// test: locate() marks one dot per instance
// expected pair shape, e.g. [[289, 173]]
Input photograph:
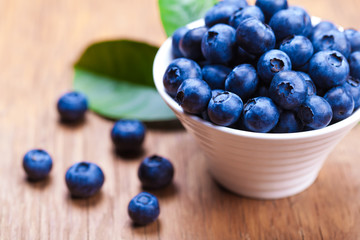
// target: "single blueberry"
[[315, 112], [176, 37], [225, 108], [341, 102], [220, 13], [144, 208], [84, 179], [193, 95], [321, 27], [190, 43], [332, 40], [254, 36], [298, 48], [260, 114], [244, 13], [72, 106], [311, 88], [288, 123], [288, 89], [37, 164], [242, 81], [271, 63], [155, 172], [328, 69], [354, 62], [128, 135], [215, 75], [179, 70], [353, 37], [270, 7], [352, 86], [218, 44]]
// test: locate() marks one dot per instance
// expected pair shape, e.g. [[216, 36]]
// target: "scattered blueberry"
[[215, 75], [315, 112], [354, 62], [190, 43], [311, 88], [331, 40], [220, 13], [72, 106], [37, 164], [270, 7], [298, 48], [244, 13], [352, 86], [128, 135], [176, 37], [353, 37], [341, 102], [288, 123], [144, 208]]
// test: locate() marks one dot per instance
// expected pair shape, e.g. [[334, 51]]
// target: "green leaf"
[[178, 13], [117, 78]]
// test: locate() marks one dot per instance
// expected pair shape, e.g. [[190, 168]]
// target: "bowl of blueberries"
[[266, 90]]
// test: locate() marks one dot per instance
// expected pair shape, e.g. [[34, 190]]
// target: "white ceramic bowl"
[[258, 165]]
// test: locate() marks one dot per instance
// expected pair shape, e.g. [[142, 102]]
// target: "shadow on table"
[[39, 184], [151, 229], [168, 192], [86, 202]]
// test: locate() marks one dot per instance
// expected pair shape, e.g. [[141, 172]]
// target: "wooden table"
[[39, 41]]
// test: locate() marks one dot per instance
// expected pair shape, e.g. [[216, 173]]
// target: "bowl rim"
[[164, 53]]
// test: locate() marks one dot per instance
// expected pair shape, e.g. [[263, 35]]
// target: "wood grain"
[[39, 41]]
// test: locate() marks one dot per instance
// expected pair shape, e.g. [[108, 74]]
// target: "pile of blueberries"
[[85, 179], [265, 68]]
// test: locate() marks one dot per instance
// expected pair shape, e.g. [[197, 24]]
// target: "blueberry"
[[288, 89], [155, 172], [144, 208], [254, 36], [225, 108], [241, 56], [354, 62], [311, 88], [341, 102], [220, 13], [291, 21], [37, 164], [72, 106], [353, 37], [271, 63], [179, 70], [270, 7], [193, 95], [128, 135], [176, 37], [315, 112], [352, 86], [215, 75], [298, 48], [218, 44], [237, 3], [261, 91], [242, 81], [260, 114], [244, 13], [331, 40], [322, 27], [288, 123], [84, 179], [190, 43]]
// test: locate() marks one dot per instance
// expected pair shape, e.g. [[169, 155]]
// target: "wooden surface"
[[39, 41]]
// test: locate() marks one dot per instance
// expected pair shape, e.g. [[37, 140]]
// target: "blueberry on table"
[[315, 112], [322, 27], [37, 164], [215, 75], [288, 123], [341, 102], [193, 95], [353, 37], [176, 37], [244, 13], [190, 43], [311, 88], [354, 62], [352, 86], [260, 115], [271, 63], [84, 179], [177, 71], [144, 208], [72, 106], [298, 48], [155, 172], [218, 44], [220, 13], [328, 69], [270, 7], [332, 40], [128, 135]]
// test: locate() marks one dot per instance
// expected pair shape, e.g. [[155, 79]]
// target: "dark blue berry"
[[353, 37], [288, 123], [341, 102], [298, 48], [352, 86], [176, 37], [247, 12], [241, 56], [270, 7], [190, 43], [322, 27], [315, 112], [354, 62], [311, 88], [128, 135], [144, 208], [220, 13], [72, 106], [215, 75], [237, 3], [37, 164]]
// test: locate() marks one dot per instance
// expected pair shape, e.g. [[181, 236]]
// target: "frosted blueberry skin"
[[215, 75], [225, 108], [237, 3], [220, 13], [128, 135], [244, 13], [242, 81], [298, 48], [311, 88], [260, 115], [353, 37], [144, 208], [341, 102], [354, 62], [322, 27], [332, 40], [193, 95], [84, 179], [72, 106], [37, 164], [315, 112], [271, 63], [155, 172], [270, 7], [190, 43], [288, 89], [177, 71], [328, 69], [291, 21], [254, 36], [218, 44], [352, 86], [176, 37], [288, 123]]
